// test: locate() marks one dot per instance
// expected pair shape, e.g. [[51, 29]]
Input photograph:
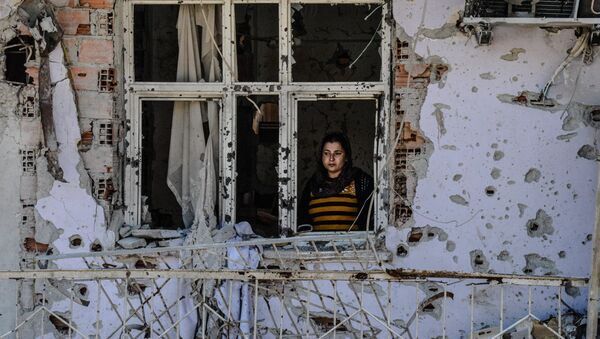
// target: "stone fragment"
[[156, 233], [132, 242], [171, 242], [125, 231]]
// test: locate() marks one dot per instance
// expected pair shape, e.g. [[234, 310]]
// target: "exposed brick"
[[33, 246], [97, 3], [84, 29], [84, 78], [96, 51], [401, 76], [95, 105], [70, 19], [33, 72]]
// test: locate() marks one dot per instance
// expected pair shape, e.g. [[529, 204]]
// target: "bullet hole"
[[595, 115], [425, 233], [587, 152], [534, 226], [504, 255], [532, 175], [428, 308], [402, 250], [135, 288], [536, 264], [141, 264], [80, 291], [562, 254], [414, 237], [457, 177], [490, 191], [498, 155], [96, 246], [479, 262], [540, 226], [75, 241], [495, 174], [588, 237], [60, 322]]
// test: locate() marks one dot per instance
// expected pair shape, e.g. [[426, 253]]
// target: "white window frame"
[[227, 91]]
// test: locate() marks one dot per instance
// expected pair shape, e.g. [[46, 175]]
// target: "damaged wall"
[[501, 184], [484, 179], [62, 112]]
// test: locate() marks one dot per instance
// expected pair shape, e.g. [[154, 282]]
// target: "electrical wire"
[[581, 45]]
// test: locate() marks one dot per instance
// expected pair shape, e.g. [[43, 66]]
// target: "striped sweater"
[[335, 213]]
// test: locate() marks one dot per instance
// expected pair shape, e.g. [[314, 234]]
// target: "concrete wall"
[[484, 181], [501, 186]]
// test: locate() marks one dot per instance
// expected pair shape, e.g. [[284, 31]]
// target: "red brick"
[[96, 51], [70, 19], [84, 78], [402, 78], [34, 73], [97, 3]]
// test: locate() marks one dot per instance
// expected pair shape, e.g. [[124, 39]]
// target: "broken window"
[[257, 145], [168, 35], [336, 42], [175, 138], [257, 43], [269, 66]]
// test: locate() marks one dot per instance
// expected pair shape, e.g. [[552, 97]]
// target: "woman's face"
[[334, 158]]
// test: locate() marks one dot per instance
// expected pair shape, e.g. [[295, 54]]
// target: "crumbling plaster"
[[488, 143], [10, 208]]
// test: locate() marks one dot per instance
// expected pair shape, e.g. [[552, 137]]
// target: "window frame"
[[227, 91]]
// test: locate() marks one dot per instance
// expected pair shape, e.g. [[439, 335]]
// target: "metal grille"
[[312, 286]]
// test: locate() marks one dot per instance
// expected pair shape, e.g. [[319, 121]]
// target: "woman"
[[334, 196]]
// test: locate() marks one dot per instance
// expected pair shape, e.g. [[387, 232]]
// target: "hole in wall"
[[75, 241], [60, 323], [402, 250], [135, 288], [595, 115], [428, 308], [490, 191], [96, 246], [18, 52]]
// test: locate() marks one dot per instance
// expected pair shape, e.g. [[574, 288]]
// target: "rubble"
[[156, 233], [132, 242]]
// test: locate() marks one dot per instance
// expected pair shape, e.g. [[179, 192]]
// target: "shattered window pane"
[[336, 43], [257, 42], [177, 43], [257, 173]]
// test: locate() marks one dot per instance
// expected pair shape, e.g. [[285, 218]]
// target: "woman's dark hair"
[[344, 142]]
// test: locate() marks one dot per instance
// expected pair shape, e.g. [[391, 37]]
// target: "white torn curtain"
[[193, 155]]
